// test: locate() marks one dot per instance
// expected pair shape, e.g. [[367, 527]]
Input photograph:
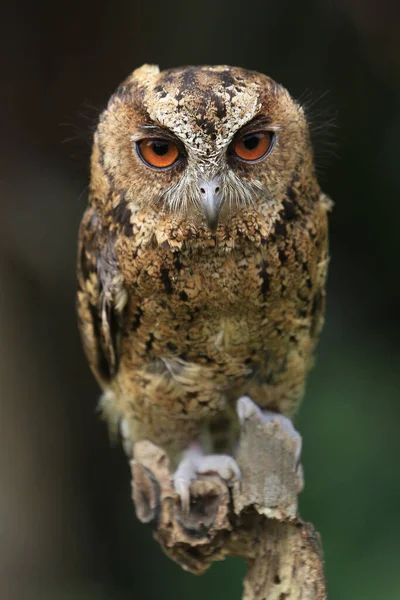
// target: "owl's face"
[[202, 141]]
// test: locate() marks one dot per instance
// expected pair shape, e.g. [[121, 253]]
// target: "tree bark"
[[256, 519]]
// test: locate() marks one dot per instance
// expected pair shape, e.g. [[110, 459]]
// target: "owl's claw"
[[220, 464], [184, 474], [195, 463], [246, 407]]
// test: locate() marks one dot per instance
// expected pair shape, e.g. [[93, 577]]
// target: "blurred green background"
[[67, 525]]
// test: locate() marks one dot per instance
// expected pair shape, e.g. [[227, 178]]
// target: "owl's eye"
[[253, 146], [158, 153]]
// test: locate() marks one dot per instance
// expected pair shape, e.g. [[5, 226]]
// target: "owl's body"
[[180, 317]]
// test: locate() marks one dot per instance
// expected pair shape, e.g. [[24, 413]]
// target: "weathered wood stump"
[[257, 519]]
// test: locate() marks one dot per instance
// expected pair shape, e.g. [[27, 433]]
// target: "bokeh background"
[[67, 525]]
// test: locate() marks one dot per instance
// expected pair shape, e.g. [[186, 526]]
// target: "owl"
[[202, 261]]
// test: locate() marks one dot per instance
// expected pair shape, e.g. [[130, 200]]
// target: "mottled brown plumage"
[[178, 322]]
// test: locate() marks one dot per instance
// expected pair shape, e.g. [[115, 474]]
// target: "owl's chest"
[[213, 281], [197, 312]]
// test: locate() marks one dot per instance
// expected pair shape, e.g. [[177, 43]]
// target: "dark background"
[[67, 525]]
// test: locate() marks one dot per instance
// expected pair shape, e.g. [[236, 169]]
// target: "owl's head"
[[203, 141]]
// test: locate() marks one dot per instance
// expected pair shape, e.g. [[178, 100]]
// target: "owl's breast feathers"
[[175, 318]]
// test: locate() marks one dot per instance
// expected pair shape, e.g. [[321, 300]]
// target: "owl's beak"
[[212, 201]]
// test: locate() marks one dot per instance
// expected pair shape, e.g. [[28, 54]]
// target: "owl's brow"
[[257, 123], [149, 130]]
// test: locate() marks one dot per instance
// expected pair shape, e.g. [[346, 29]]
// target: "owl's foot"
[[246, 407], [194, 463]]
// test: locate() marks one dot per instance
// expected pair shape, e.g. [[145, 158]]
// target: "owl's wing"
[[101, 298], [320, 270]]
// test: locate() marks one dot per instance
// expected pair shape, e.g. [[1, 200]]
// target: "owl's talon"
[[195, 463], [245, 407], [220, 464], [184, 474], [182, 488]]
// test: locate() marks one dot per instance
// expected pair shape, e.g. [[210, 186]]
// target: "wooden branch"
[[257, 519]]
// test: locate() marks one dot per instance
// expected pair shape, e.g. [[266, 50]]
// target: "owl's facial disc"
[[212, 200], [204, 142]]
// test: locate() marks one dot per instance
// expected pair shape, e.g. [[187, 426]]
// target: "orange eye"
[[158, 154], [253, 146]]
